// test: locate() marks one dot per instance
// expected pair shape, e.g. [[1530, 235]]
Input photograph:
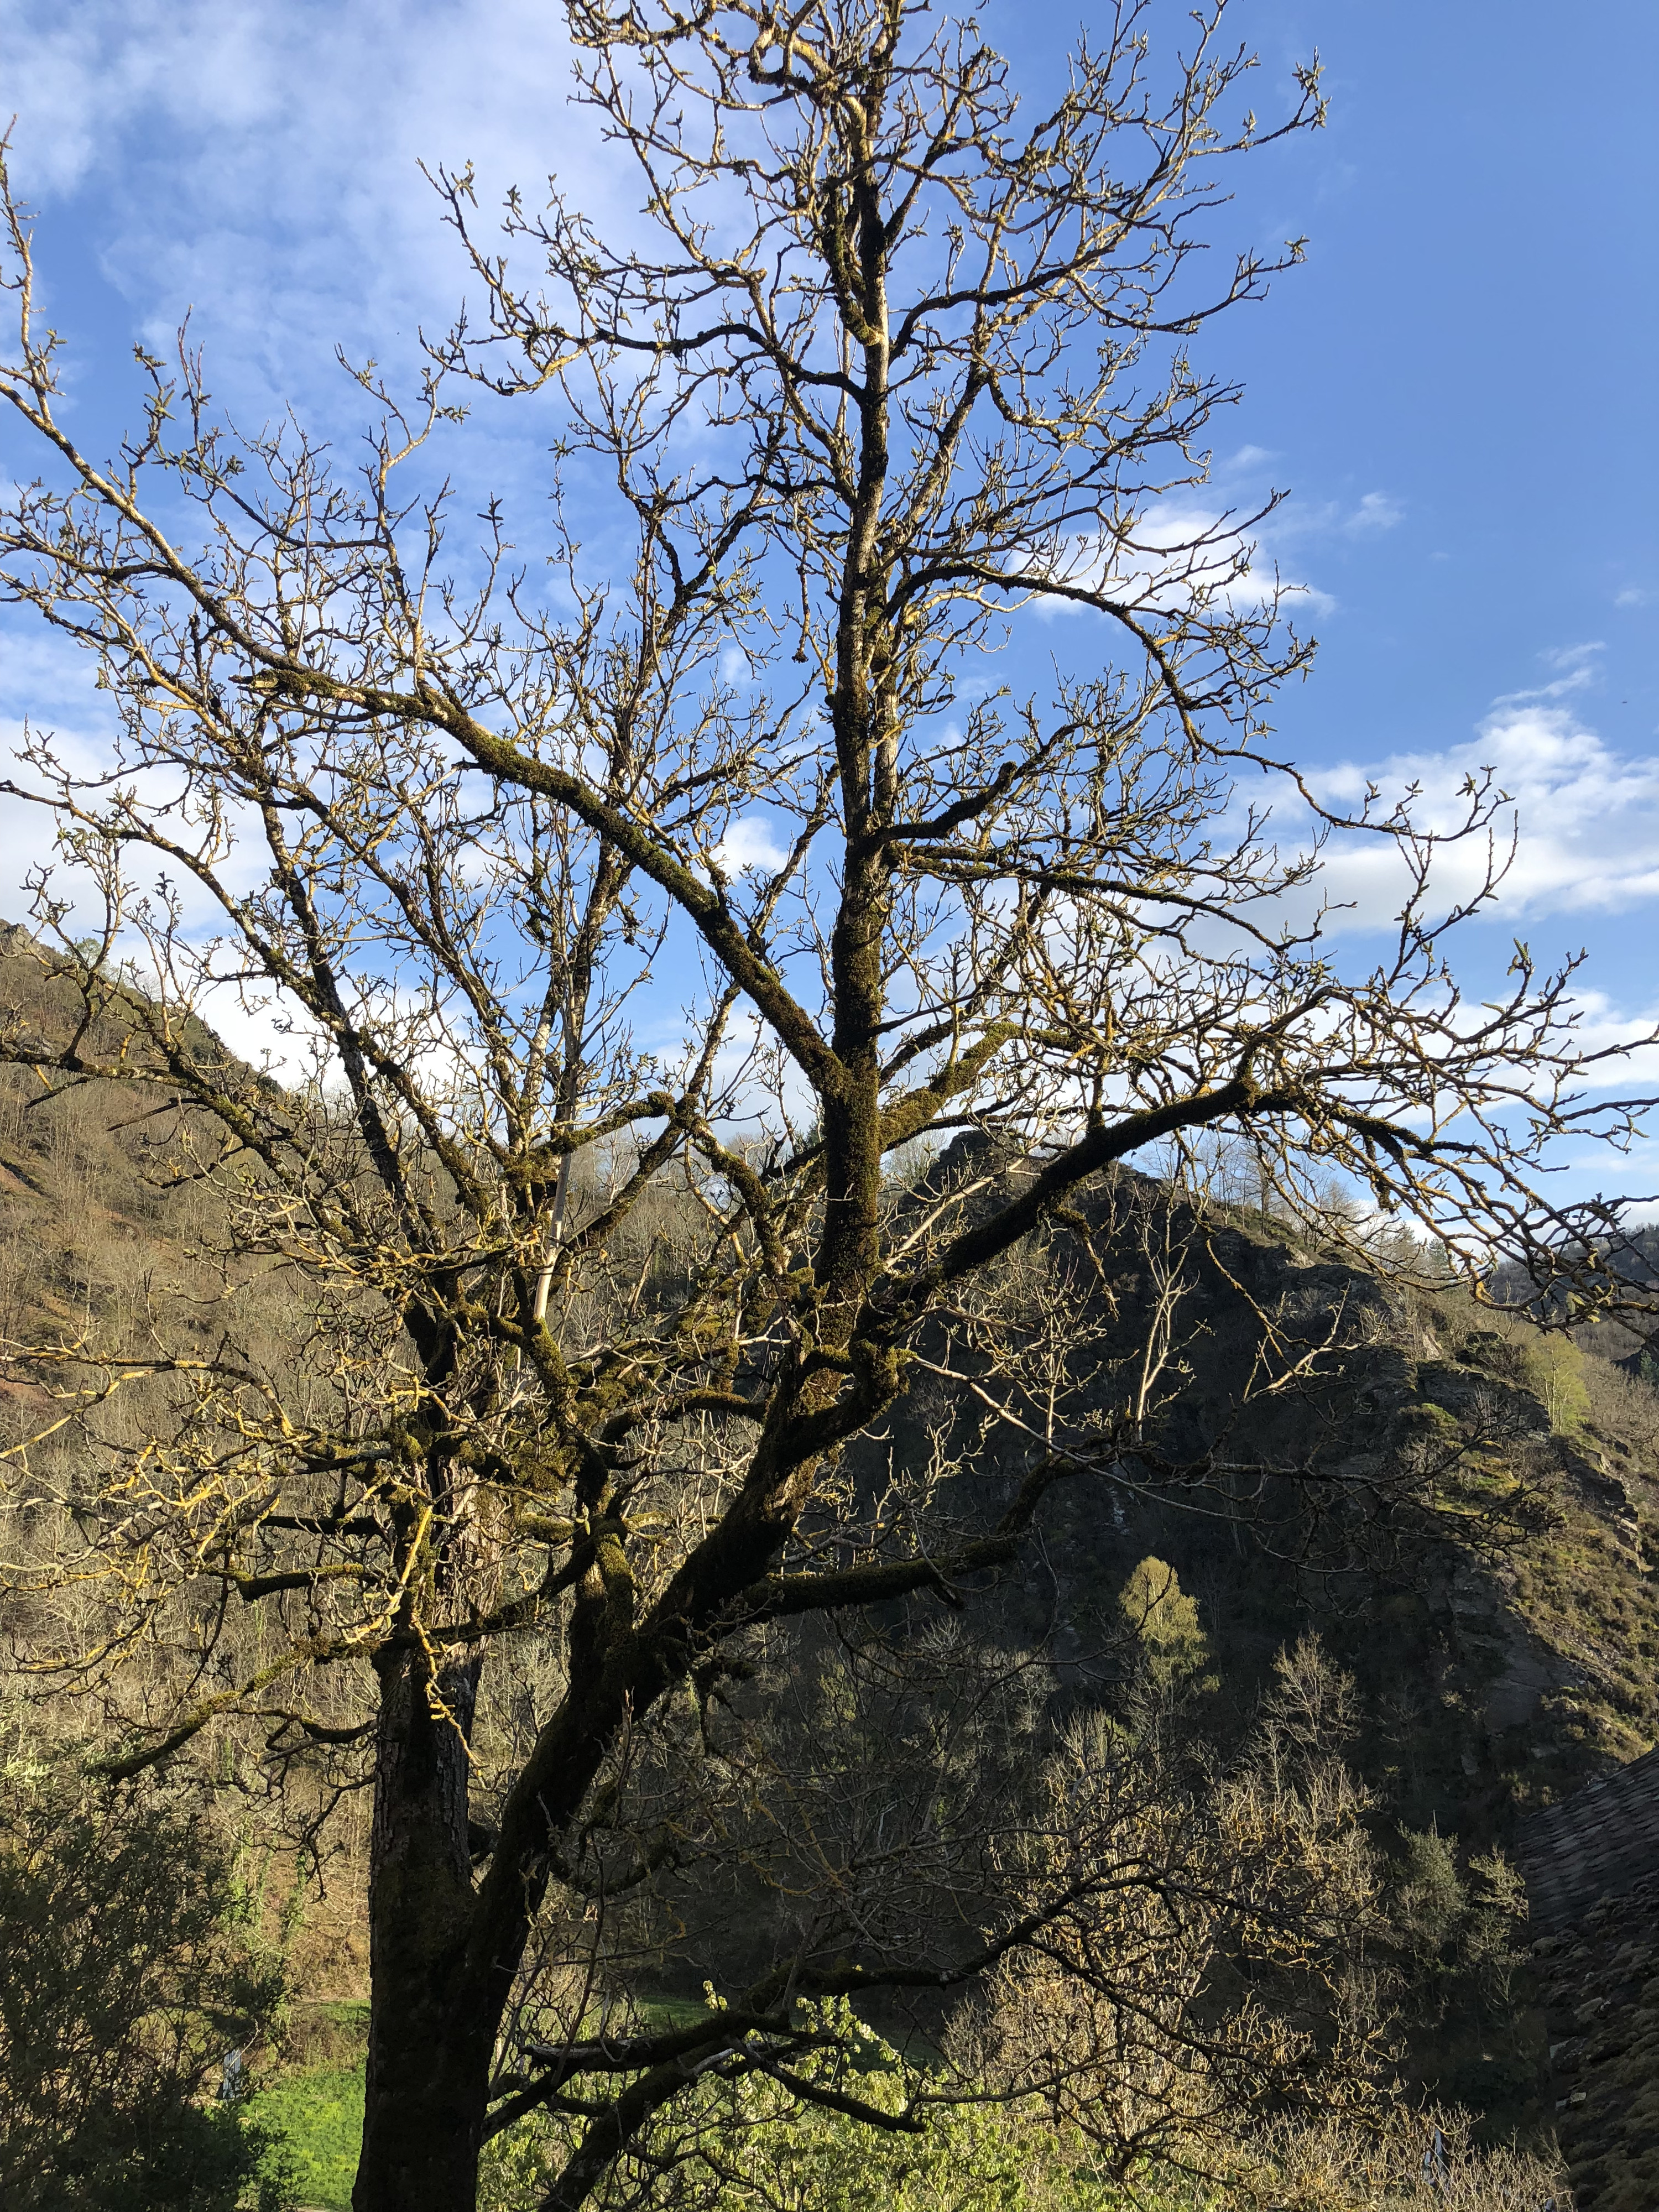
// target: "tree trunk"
[[427, 2081]]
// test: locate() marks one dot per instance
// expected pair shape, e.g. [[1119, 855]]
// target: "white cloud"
[[1578, 668], [46, 684], [1177, 545], [1604, 1026], [1295, 520], [1375, 511], [751, 842], [1587, 818], [258, 158], [257, 161], [1572, 657], [1174, 549]]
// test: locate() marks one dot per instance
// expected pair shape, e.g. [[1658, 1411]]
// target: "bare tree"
[[591, 1322]]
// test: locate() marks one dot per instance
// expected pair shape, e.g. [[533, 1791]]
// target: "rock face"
[[1495, 1679], [1500, 1673]]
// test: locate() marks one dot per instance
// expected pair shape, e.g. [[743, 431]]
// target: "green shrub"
[[751, 2146], [127, 1971], [317, 2117]]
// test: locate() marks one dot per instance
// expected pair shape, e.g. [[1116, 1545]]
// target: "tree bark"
[[426, 2085]]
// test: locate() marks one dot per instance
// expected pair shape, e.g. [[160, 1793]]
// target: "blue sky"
[[1457, 388]]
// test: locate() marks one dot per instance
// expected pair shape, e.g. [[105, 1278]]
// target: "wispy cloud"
[[1578, 667], [1377, 511], [268, 152], [1304, 521]]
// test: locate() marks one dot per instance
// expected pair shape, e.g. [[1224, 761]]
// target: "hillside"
[[1503, 1647]]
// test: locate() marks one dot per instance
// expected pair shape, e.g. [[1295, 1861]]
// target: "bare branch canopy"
[[617, 1198]]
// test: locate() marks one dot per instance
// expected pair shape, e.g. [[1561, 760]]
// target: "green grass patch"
[[664, 2012], [318, 2118]]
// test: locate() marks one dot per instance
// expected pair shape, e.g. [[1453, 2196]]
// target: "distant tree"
[[1165, 1623], [593, 1302], [126, 1973]]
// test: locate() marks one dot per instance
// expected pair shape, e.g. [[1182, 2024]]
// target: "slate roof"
[[1592, 1870], [1597, 1843]]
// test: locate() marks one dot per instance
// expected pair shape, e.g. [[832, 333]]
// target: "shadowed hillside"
[[1496, 1610]]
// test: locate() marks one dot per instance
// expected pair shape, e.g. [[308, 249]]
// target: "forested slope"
[[1502, 1646]]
